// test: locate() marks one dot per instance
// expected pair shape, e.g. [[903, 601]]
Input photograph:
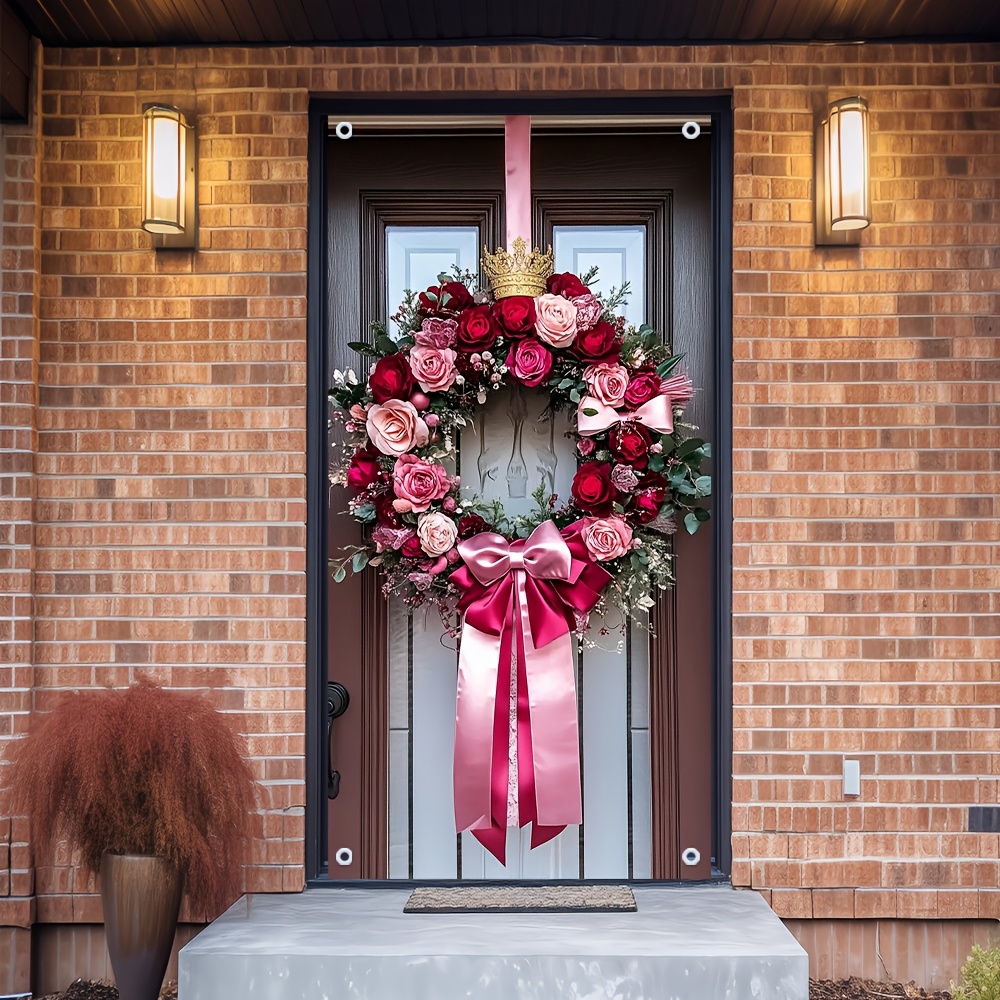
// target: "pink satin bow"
[[656, 414], [520, 598]]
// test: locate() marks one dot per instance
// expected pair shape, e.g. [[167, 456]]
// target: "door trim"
[[719, 110]]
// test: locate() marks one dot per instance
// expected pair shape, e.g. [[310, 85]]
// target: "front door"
[[402, 210]]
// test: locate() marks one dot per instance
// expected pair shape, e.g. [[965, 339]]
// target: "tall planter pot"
[[142, 897]]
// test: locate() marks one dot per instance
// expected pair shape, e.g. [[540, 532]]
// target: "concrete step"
[[683, 943]]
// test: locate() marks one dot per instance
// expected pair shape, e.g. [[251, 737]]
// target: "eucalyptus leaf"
[[667, 365], [341, 575], [702, 514], [656, 462], [691, 522], [359, 562], [574, 395], [386, 345], [688, 446], [703, 484], [363, 348]]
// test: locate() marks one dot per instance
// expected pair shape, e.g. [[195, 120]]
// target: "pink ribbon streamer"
[[520, 597], [656, 414], [517, 162]]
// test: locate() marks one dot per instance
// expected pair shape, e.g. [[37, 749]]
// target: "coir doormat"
[[522, 899]]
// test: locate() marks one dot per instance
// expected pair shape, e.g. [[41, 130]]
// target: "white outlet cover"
[[852, 777]]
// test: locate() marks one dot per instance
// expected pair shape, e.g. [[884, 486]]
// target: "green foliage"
[[980, 976]]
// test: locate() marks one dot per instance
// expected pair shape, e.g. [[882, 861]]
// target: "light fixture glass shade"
[[846, 173], [168, 175]]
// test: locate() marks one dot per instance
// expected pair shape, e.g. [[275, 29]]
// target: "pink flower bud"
[[438, 566], [448, 504], [401, 506], [432, 420], [420, 400], [452, 556], [585, 446]]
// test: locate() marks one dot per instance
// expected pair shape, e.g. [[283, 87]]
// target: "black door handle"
[[337, 700]]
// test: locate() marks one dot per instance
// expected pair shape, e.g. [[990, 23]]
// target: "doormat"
[[522, 899]]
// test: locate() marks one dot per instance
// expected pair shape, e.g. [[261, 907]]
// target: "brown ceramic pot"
[[141, 896]]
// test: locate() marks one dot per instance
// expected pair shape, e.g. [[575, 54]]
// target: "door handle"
[[337, 700]]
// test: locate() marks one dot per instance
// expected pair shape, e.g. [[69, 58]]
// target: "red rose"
[[385, 513], [411, 548], [646, 505], [477, 330], [599, 343], [471, 524], [516, 314], [364, 468], [592, 488], [642, 387], [649, 497], [630, 444], [566, 284], [392, 378], [529, 362], [444, 300]]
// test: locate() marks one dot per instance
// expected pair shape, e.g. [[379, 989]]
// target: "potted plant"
[[154, 789]]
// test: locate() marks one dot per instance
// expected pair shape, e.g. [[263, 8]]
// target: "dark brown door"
[[638, 205]]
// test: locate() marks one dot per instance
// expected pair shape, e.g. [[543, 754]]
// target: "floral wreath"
[[639, 471]]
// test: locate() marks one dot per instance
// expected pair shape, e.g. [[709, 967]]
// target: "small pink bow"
[[656, 414]]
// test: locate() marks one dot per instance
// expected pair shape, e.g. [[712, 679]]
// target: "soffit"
[[397, 22]]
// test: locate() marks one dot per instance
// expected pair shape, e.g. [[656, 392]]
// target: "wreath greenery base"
[[453, 347]]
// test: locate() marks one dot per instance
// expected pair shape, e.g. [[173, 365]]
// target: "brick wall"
[[170, 464], [19, 306]]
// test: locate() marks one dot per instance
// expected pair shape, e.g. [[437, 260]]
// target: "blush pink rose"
[[606, 537], [417, 482], [436, 332], [608, 382], [555, 320], [395, 427], [529, 362], [433, 367], [437, 533], [588, 311]]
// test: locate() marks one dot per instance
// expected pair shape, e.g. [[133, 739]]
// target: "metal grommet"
[[691, 130], [344, 130], [344, 856], [690, 856]]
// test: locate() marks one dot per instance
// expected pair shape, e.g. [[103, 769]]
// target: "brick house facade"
[[153, 434]]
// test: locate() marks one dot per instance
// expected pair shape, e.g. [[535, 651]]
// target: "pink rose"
[[555, 320], [433, 367], [395, 427], [606, 537], [588, 311], [435, 332], [437, 533], [585, 446], [529, 361], [608, 382], [418, 482]]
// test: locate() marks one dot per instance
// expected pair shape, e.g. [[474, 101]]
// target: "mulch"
[[819, 989], [86, 990], [869, 989]]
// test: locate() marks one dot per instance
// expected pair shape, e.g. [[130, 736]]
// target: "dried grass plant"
[[141, 770]]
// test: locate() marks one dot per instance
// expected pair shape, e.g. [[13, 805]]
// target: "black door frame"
[[719, 110]]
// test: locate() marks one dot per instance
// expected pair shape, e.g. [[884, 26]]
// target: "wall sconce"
[[169, 179], [841, 175]]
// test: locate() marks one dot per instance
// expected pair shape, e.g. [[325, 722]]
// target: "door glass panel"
[[513, 446], [416, 255], [423, 671], [619, 254]]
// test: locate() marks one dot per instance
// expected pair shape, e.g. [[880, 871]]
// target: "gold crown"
[[519, 273]]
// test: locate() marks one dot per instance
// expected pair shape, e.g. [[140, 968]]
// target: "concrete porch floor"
[[696, 943]]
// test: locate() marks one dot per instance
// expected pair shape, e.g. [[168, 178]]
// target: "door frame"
[[719, 110]]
